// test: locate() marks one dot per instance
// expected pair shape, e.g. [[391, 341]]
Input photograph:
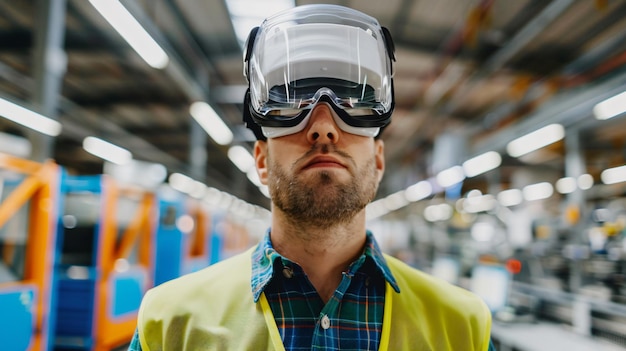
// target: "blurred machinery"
[[77, 253], [28, 194], [106, 246], [567, 273], [184, 236]]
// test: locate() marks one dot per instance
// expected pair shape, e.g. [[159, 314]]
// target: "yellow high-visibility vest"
[[213, 309]]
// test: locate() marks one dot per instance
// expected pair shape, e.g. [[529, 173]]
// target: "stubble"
[[321, 200]]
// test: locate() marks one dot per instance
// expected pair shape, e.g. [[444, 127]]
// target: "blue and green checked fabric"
[[352, 318]]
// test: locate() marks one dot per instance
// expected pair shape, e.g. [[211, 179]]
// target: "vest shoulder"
[[415, 284], [231, 272], [211, 307], [455, 318]]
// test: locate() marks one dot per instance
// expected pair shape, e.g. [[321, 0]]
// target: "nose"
[[322, 127]]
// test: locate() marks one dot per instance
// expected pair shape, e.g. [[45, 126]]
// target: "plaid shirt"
[[352, 318]]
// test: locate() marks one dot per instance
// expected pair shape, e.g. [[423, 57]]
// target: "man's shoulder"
[[232, 271], [213, 299], [416, 284], [454, 317]]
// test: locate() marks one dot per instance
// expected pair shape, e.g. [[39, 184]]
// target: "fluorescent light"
[[181, 182], [127, 26], [198, 189], [265, 191], [440, 212], [537, 191], [614, 175], [375, 209], [107, 151], [611, 107], [253, 177], [28, 118], [585, 181], [535, 140], [188, 185], [451, 176], [510, 197], [208, 119], [246, 14], [479, 203], [395, 201], [566, 185], [482, 163], [418, 191], [241, 158]]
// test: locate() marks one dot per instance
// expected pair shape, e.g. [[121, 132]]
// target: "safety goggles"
[[318, 53]]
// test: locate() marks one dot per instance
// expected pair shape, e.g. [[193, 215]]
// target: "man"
[[320, 90]]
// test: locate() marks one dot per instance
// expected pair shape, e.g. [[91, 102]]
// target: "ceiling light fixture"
[[614, 175], [211, 122], [510, 197], [181, 182], [107, 151], [585, 181], [440, 212], [610, 107], [395, 201], [538, 191], [253, 176], [479, 203], [451, 176], [535, 140], [482, 163], [566, 185], [131, 30], [241, 158], [28, 118], [418, 191]]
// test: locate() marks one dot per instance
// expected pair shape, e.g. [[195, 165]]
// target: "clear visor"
[[297, 53]]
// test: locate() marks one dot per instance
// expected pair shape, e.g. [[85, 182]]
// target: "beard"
[[321, 200]]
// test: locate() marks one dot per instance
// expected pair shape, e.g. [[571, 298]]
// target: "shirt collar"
[[264, 256]]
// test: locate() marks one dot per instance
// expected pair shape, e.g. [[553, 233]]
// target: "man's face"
[[321, 175]]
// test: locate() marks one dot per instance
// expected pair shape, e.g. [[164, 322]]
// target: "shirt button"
[[325, 322], [288, 272]]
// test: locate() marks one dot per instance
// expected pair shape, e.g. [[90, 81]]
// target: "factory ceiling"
[[469, 77]]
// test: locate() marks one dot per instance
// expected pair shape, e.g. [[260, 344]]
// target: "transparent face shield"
[[316, 53]]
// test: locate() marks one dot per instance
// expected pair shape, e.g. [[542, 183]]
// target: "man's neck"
[[324, 253]]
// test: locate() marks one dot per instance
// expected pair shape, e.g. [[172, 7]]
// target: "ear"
[[260, 158], [379, 156]]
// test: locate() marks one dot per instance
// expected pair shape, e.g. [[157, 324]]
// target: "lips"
[[323, 161]]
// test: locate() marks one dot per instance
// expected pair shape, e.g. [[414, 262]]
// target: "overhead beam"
[[573, 110], [512, 47], [75, 128], [533, 28], [50, 66]]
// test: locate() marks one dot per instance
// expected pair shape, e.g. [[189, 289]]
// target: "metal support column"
[[50, 65], [198, 155], [575, 167]]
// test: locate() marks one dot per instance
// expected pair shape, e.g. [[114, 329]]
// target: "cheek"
[[285, 153]]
